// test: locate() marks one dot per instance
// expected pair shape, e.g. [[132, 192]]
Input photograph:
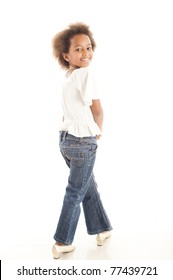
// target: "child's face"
[[80, 52]]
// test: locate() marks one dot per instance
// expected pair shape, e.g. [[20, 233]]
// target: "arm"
[[97, 112]]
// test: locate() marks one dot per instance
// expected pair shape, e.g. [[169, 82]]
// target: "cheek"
[[76, 57]]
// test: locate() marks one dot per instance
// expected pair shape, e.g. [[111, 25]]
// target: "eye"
[[89, 48], [79, 49]]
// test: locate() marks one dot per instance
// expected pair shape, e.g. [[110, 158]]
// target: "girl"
[[81, 128]]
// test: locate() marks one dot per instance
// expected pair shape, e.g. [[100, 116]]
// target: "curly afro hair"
[[61, 41]]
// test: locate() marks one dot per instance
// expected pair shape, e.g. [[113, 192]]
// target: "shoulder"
[[81, 76], [83, 72]]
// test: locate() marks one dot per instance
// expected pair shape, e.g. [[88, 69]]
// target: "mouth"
[[85, 59]]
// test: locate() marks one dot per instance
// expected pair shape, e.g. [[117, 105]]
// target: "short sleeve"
[[87, 84]]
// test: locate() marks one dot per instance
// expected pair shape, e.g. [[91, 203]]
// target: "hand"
[[98, 137]]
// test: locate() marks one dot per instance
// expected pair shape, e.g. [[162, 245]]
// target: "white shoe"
[[101, 237], [57, 250]]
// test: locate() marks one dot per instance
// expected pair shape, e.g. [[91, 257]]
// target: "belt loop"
[[65, 134]]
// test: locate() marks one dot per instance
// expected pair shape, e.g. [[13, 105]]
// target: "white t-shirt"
[[79, 89]]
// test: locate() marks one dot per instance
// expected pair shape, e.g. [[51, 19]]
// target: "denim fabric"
[[79, 154]]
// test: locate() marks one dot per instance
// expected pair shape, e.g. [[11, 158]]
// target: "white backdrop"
[[135, 156]]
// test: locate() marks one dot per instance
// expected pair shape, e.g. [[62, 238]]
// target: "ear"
[[65, 56]]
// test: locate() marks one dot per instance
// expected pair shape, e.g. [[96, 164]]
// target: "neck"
[[70, 70]]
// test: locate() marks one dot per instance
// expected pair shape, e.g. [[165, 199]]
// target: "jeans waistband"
[[64, 135]]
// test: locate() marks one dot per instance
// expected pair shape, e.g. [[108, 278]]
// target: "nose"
[[84, 53]]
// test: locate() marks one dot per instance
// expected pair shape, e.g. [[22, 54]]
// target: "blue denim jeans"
[[79, 154]]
